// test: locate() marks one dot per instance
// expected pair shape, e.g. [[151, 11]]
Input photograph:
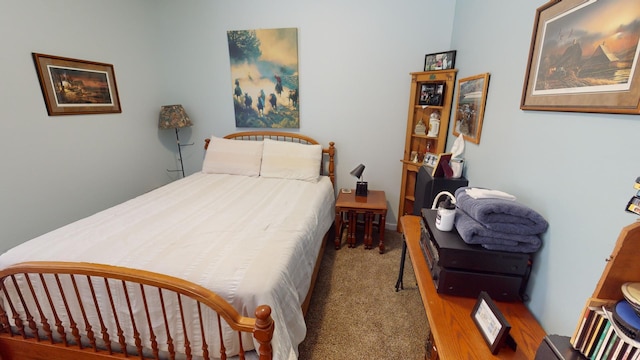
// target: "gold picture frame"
[[72, 86], [469, 110], [578, 65]]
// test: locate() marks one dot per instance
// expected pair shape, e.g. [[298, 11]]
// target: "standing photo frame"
[[442, 167], [73, 87], [492, 324], [440, 61], [469, 110], [579, 65]]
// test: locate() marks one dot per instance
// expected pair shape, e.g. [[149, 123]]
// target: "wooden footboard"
[[119, 312]]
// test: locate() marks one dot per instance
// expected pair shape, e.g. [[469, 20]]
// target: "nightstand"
[[374, 209]]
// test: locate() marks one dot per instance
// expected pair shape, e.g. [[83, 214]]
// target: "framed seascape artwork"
[[72, 86], [469, 110], [440, 61], [584, 57], [264, 75]]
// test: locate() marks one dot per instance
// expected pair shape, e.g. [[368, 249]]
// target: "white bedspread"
[[251, 240]]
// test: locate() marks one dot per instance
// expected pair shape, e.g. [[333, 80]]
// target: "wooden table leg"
[[338, 241], [351, 229], [381, 223], [368, 227]]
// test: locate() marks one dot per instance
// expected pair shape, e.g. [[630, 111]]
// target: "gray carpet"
[[355, 312]]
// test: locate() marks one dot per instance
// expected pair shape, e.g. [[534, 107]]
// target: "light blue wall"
[[576, 169], [355, 57]]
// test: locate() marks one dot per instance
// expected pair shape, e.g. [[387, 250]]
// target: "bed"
[[219, 264]]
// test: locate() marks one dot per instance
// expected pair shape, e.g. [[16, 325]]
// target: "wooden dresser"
[[454, 335]]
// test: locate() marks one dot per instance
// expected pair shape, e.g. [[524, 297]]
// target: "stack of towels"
[[497, 221]]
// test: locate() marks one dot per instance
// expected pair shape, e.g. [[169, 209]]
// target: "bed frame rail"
[[36, 321]]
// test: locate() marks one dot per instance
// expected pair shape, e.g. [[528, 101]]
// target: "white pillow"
[[289, 160], [235, 157]]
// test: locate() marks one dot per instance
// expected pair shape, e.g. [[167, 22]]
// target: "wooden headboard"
[[289, 137]]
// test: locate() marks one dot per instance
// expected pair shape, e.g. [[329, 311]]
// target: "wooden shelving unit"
[[622, 266], [422, 143]]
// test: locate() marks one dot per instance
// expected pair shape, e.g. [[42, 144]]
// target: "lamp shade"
[[173, 117], [357, 172]]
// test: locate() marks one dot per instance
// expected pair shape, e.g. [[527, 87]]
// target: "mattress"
[[251, 240]]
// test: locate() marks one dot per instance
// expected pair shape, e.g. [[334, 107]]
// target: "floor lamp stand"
[[180, 153]]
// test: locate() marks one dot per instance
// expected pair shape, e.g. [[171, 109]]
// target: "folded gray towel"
[[501, 215], [472, 232]]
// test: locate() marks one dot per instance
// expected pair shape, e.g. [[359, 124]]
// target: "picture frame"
[[430, 160], [578, 65], [493, 326], [72, 87], [470, 105], [442, 167], [440, 61], [431, 94]]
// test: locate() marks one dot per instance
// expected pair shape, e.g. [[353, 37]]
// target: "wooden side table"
[[371, 206]]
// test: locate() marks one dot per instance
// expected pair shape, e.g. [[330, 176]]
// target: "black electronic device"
[[462, 269], [427, 187], [453, 252]]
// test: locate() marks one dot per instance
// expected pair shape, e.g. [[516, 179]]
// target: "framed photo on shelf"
[[431, 94], [492, 324], [430, 159], [72, 86], [440, 61], [580, 65], [469, 110]]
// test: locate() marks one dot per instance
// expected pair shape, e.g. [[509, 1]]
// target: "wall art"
[[264, 74], [469, 110], [72, 86], [584, 57]]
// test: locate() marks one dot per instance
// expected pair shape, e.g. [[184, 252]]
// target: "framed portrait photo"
[[491, 323], [580, 65], [72, 86]]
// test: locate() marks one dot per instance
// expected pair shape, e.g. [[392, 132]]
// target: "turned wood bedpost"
[[332, 152], [263, 331]]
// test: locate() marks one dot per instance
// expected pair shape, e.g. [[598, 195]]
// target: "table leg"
[[351, 238], [382, 221], [368, 226], [337, 242]]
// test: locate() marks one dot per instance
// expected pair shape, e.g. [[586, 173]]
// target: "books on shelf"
[[599, 338]]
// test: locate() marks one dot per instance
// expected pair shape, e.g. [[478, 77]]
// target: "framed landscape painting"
[[584, 57], [72, 86]]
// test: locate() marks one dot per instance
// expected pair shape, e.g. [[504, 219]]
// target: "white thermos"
[[445, 215]]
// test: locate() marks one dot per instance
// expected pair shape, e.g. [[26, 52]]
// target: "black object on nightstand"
[[427, 187]]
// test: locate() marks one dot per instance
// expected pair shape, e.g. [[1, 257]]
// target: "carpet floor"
[[355, 312]]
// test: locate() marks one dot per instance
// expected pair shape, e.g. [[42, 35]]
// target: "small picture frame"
[[492, 324], [430, 160], [440, 61], [431, 94], [442, 167]]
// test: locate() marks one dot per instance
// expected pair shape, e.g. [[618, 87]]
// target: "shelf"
[[424, 137], [422, 87]]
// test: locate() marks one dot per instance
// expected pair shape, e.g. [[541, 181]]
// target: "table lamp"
[[361, 186], [174, 117]]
